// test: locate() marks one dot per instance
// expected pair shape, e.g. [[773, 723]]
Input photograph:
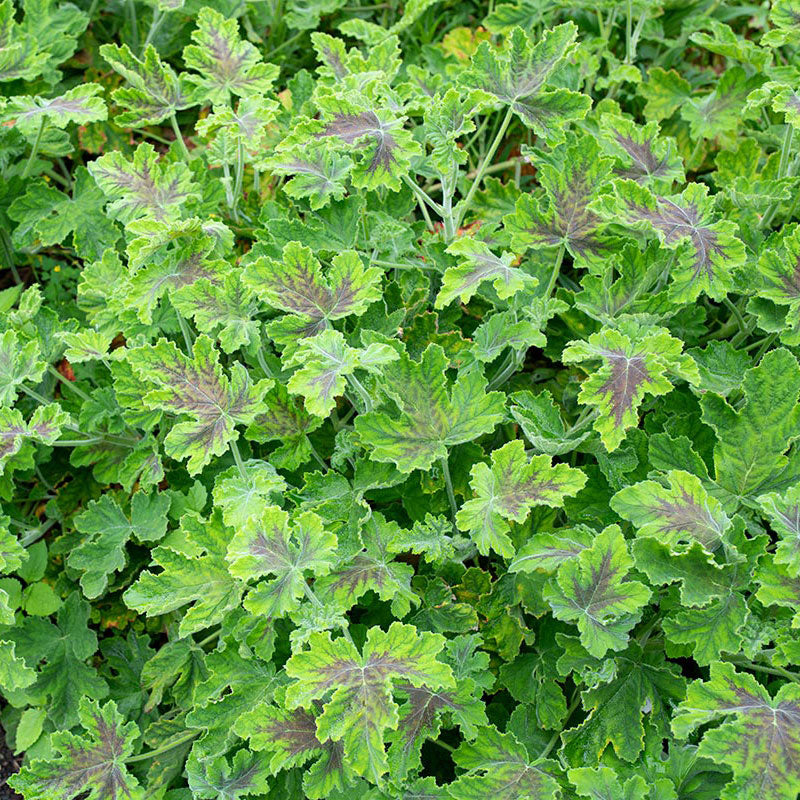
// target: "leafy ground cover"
[[400, 401]]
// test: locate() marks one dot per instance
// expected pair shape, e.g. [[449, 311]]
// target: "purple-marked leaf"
[[85, 345], [80, 104], [497, 765], [154, 91], [722, 110], [92, 762], [18, 363], [779, 268], [326, 361], [143, 187], [572, 177], [319, 174], [508, 490], [197, 387], [480, 264], [290, 739], [44, 426], [759, 739], [332, 54], [592, 591], [223, 309], [20, 56], [677, 515], [46, 216], [517, 75], [232, 133], [447, 118], [433, 416], [227, 64], [372, 568], [359, 686], [783, 511], [195, 578], [269, 545], [643, 155], [375, 138], [635, 362], [785, 16], [665, 92], [312, 297], [189, 260], [725, 42], [707, 249], [285, 420]]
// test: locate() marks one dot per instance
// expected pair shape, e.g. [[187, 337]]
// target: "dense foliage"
[[400, 401]]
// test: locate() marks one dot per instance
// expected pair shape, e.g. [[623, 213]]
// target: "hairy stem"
[[34, 150]]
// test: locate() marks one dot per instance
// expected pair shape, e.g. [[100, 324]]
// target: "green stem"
[[155, 24], [779, 671], [171, 745], [423, 196], [628, 33], [185, 332], [317, 457], [280, 47], [556, 270], [134, 26], [736, 313], [507, 370], [765, 345], [237, 188], [237, 457], [362, 392], [448, 483], [555, 737], [444, 745], [782, 167], [56, 374], [396, 265], [463, 207], [34, 150], [179, 137], [34, 395]]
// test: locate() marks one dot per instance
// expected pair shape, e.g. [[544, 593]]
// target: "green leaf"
[[602, 783], [635, 362], [361, 707], [480, 265], [196, 576], [227, 65], [319, 174], [79, 104], [707, 249], [592, 590], [749, 455], [778, 588], [143, 187], [92, 762], [508, 490], [758, 739], [18, 363], [197, 387], [432, 418], [107, 530], [154, 91], [241, 497], [44, 426], [676, 516], [269, 545], [217, 779], [665, 92], [540, 420], [47, 216], [498, 765], [783, 511], [517, 76]]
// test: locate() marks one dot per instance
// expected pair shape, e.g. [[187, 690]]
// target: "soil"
[[9, 764]]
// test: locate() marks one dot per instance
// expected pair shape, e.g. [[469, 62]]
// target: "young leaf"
[[676, 516], [18, 363], [92, 762], [196, 576], [591, 590], [361, 708], [327, 361], [783, 512], [44, 426], [431, 417], [227, 65], [319, 174], [635, 363], [707, 249], [509, 490], [269, 545], [517, 76], [154, 91], [197, 387], [758, 740], [480, 265]]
